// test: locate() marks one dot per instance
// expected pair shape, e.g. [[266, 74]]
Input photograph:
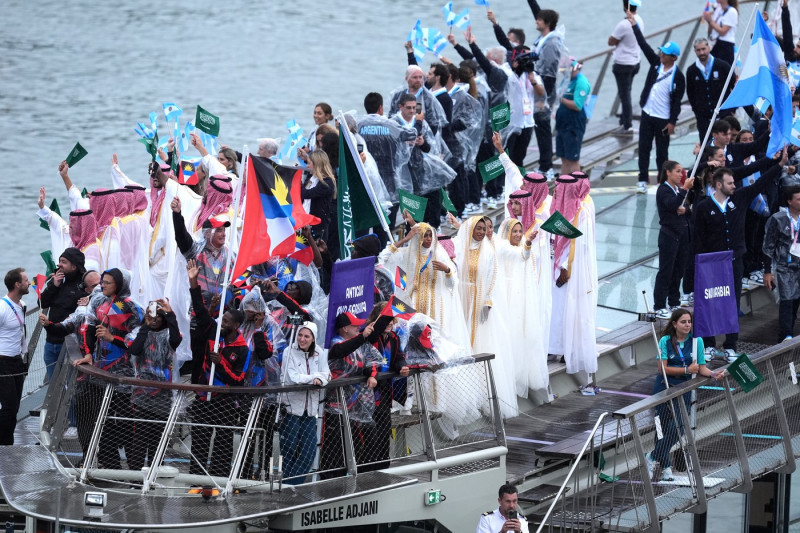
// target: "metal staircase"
[[732, 438]]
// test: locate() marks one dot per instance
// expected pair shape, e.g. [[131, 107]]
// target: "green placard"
[[76, 154], [491, 168], [500, 116], [207, 122], [745, 373], [412, 203], [47, 256], [447, 204], [54, 208], [558, 225]]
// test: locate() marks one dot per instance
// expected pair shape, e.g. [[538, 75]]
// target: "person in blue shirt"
[[571, 120], [676, 361]]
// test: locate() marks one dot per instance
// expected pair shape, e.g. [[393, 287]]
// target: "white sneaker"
[[787, 338], [491, 203], [730, 355], [666, 474], [651, 464], [641, 187], [709, 353], [71, 433], [664, 313], [550, 175], [745, 283]]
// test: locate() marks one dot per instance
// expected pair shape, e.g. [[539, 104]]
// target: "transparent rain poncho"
[[360, 399], [427, 345], [384, 138], [467, 124], [424, 172], [267, 372]]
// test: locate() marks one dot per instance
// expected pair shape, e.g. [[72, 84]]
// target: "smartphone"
[[360, 147], [419, 108], [512, 515]]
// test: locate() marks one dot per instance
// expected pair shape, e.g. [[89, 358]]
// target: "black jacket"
[[61, 301], [667, 203], [703, 95], [717, 231], [652, 75]]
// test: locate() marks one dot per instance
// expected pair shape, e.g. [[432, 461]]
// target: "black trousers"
[[724, 50], [624, 75], [787, 316], [672, 253], [544, 140], [754, 226], [652, 129], [433, 209], [517, 145], [457, 190], [12, 379]]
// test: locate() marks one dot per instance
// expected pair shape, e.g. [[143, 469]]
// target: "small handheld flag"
[[172, 112], [449, 16], [500, 116], [207, 122], [187, 174], [77, 153], [38, 285], [397, 308], [491, 168], [400, 278], [462, 19], [47, 256], [412, 203], [303, 251], [558, 225]]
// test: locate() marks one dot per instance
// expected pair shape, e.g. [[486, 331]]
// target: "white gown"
[[480, 287], [572, 331]]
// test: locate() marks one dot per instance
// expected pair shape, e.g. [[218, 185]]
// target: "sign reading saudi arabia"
[[558, 225], [491, 168], [205, 121], [500, 116]]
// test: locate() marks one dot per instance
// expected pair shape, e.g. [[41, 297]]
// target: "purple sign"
[[715, 307], [352, 291]]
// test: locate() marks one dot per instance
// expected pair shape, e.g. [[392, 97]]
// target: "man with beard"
[[13, 347]]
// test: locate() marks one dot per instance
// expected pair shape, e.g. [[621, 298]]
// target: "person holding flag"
[[572, 329]]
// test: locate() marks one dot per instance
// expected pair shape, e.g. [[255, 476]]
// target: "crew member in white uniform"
[[13, 350], [500, 520]]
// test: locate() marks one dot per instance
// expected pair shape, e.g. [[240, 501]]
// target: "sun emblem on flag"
[[400, 307], [784, 72]]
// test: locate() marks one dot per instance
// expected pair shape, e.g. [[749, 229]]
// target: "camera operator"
[[505, 517], [60, 295], [522, 91]]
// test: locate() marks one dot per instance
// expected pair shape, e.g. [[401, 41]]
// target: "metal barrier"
[[151, 435], [37, 373], [714, 436]]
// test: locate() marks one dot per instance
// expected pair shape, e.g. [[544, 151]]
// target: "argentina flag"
[[764, 75]]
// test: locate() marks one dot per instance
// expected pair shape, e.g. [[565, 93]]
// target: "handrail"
[[563, 486], [266, 389], [678, 390]]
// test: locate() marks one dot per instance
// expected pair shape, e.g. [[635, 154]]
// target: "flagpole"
[[365, 180], [227, 266], [721, 98]]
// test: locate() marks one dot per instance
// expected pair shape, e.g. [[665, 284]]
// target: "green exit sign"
[[433, 496]]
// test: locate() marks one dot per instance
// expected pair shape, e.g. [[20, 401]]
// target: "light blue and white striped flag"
[[153, 120], [764, 74], [462, 19], [796, 132], [172, 111], [449, 16], [186, 136]]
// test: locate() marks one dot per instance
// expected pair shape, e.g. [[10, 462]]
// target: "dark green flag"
[[84, 193], [76, 154], [500, 116], [49, 263], [745, 373], [447, 204], [207, 122], [412, 203], [491, 168], [151, 145], [54, 208], [558, 225]]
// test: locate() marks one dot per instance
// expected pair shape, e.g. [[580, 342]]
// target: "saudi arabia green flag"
[[415, 205], [491, 168], [500, 116], [47, 256], [151, 145], [447, 204], [54, 208], [356, 207], [77, 153], [207, 122], [558, 225]]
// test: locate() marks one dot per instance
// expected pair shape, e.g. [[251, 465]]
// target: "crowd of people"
[[142, 264]]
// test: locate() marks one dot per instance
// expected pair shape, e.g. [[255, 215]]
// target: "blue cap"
[[671, 48], [635, 3]]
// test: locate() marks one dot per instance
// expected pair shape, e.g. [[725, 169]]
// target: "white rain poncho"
[[383, 139], [467, 123]]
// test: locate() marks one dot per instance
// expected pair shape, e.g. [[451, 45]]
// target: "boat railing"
[[735, 434], [576, 496], [144, 434], [37, 372]]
